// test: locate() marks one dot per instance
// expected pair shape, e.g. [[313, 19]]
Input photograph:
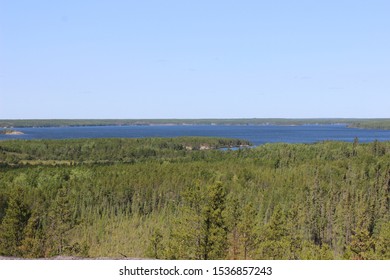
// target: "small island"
[[10, 132]]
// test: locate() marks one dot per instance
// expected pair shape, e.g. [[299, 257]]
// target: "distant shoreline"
[[352, 123]]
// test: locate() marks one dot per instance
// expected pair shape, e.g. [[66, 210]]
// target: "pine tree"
[[155, 247], [59, 223], [13, 224], [354, 146], [247, 230], [275, 242], [361, 245], [215, 230], [3, 206], [33, 244], [382, 247], [233, 218], [187, 232]]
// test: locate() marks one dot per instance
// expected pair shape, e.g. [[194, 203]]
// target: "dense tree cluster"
[[170, 198], [76, 151]]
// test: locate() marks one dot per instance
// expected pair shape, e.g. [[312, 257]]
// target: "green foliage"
[[214, 243], [382, 245], [247, 230], [275, 242], [158, 198], [108, 151], [361, 245], [233, 218], [201, 233], [187, 231], [33, 244], [155, 248], [59, 223], [13, 224]]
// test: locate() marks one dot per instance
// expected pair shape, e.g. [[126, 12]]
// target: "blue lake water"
[[256, 134]]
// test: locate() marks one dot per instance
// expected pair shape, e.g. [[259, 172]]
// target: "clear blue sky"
[[194, 59]]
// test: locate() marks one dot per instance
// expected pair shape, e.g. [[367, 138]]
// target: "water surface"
[[256, 134]]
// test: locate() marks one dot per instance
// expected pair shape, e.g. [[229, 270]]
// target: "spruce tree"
[[59, 223], [187, 232], [155, 247], [215, 230], [247, 230], [382, 247], [33, 244], [361, 245], [13, 224], [233, 216], [275, 241]]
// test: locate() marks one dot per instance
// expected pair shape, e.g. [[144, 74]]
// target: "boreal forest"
[[194, 198]]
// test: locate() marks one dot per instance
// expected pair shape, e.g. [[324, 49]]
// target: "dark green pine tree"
[[361, 245], [13, 224], [383, 243], [187, 233], [60, 219], [355, 146], [247, 230], [215, 241], [275, 242], [233, 217], [3, 205], [33, 244]]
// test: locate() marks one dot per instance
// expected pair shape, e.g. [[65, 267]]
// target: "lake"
[[257, 134]]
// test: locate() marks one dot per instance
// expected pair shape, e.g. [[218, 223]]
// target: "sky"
[[194, 59]]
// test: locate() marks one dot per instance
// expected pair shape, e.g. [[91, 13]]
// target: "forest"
[[187, 198]]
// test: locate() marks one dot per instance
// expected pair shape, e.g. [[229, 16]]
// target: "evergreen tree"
[[233, 217], [3, 206], [155, 248], [247, 230], [214, 242], [382, 247], [13, 224], [60, 222], [34, 242], [361, 245], [355, 146], [275, 242], [187, 232]]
